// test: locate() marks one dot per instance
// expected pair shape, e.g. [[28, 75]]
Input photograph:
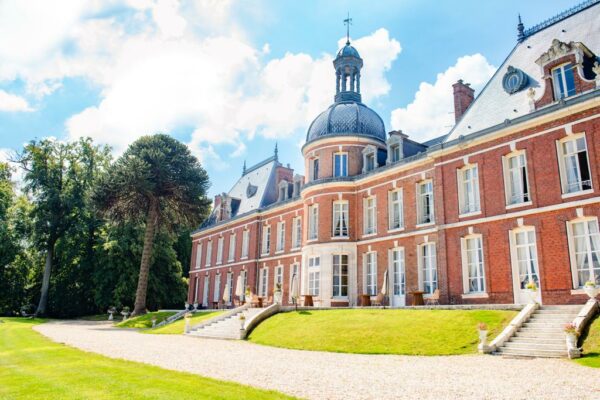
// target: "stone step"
[[571, 308], [557, 312], [554, 317], [537, 339], [531, 354], [543, 325], [539, 335], [535, 346]]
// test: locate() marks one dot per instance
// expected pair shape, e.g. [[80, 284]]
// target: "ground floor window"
[[525, 253], [371, 273], [428, 267], [205, 291], [278, 279], [472, 261], [340, 275], [398, 276], [217, 288], [314, 275], [584, 243], [264, 282], [294, 268]]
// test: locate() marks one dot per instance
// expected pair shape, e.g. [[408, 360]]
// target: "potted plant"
[[247, 295], [591, 289], [571, 335], [277, 295], [483, 332], [125, 312], [242, 320], [531, 290], [111, 310]]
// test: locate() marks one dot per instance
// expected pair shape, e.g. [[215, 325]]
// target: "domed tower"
[[358, 131]]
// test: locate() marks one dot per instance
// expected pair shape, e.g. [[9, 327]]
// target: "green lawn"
[[413, 332], [145, 322], [33, 367], [591, 346]]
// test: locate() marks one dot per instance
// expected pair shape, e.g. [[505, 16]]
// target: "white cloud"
[[11, 103], [430, 114]]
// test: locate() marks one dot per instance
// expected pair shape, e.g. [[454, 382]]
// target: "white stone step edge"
[[585, 315], [510, 329], [220, 317], [257, 318]]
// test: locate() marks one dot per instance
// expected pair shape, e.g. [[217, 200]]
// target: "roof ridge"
[[559, 17], [260, 164]]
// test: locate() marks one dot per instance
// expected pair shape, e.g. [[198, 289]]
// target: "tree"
[[157, 181]]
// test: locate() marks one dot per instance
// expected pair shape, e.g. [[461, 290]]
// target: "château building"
[[510, 195]]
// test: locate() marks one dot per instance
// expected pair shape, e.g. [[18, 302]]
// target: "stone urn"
[[571, 340], [483, 335], [242, 321], [591, 291], [277, 297], [532, 294]]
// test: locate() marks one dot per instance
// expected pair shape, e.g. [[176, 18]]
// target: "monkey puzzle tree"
[[158, 181]]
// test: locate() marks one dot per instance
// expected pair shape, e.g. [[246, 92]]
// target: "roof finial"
[[244, 168], [348, 22], [520, 30], [275, 153]]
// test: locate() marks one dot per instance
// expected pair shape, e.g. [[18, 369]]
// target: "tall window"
[[266, 239], [516, 184], [278, 278], [428, 267], [340, 275], [425, 202], [245, 243], [395, 150], [314, 275], [315, 169], [468, 191], [563, 81], [370, 210], [217, 291], [584, 246], [395, 212], [229, 286], [340, 164], [297, 232], [313, 222], [231, 247], [370, 160], [208, 253], [472, 261], [524, 252], [294, 271], [220, 250], [263, 286], [198, 255], [205, 291], [340, 218], [371, 273], [398, 272], [574, 164], [280, 236]]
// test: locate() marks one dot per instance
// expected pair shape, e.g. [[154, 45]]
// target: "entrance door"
[[205, 292], [398, 279], [525, 266]]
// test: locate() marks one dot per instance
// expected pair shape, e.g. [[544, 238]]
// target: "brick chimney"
[[463, 97]]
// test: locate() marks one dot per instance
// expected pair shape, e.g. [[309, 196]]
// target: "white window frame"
[[280, 237], [314, 276], [220, 242], [532, 255], [562, 165], [229, 280], [266, 240], [370, 273], [395, 150], [343, 164], [427, 263], [217, 288], [395, 207], [209, 245], [297, 233], [294, 270], [198, 261], [314, 172], [421, 217], [232, 240], [558, 94], [370, 215], [589, 252], [471, 256], [341, 217], [338, 289], [278, 277], [468, 190], [205, 290], [313, 222], [401, 267], [245, 243], [521, 173], [263, 283]]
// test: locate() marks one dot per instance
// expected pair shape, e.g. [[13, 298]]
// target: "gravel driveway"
[[319, 375]]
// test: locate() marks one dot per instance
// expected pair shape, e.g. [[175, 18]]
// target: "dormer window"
[[563, 81], [283, 191], [369, 154], [340, 164], [395, 152], [370, 162]]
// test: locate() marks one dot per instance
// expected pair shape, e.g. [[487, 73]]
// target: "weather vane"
[[348, 22]]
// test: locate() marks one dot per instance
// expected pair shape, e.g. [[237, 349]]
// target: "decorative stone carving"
[[514, 80], [531, 97], [596, 70], [251, 190], [556, 51]]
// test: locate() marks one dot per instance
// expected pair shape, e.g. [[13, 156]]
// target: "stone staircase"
[[226, 328], [542, 335]]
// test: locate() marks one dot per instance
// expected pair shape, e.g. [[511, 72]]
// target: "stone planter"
[[277, 297], [483, 337], [591, 291], [532, 295], [571, 340]]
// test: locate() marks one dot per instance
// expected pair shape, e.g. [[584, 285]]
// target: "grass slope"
[[145, 322], [413, 332], [591, 346], [33, 367]]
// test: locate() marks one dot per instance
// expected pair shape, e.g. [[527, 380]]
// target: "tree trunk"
[[41, 309], [142, 288]]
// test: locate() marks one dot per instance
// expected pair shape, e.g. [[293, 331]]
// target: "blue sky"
[[229, 78]]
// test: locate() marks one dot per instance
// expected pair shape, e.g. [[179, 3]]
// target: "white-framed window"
[[297, 232], [294, 271], [315, 169], [278, 277], [231, 247], [370, 212], [398, 272], [244, 276], [473, 268], [229, 287], [198, 261], [524, 254], [313, 222], [370, 273], [563, 80], [245, 242], [468, 189], [208, 253], [340, 218], [584, 250], [314, 275], [516, 181], [205, 289], [574, 164], [263, 286], [340, 164], [217, 288], [395, 152], [280, 236], [266, 239], [220, 250], [370, 162], [427, 267], [340, 275], [395, 209], [425, 202]]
